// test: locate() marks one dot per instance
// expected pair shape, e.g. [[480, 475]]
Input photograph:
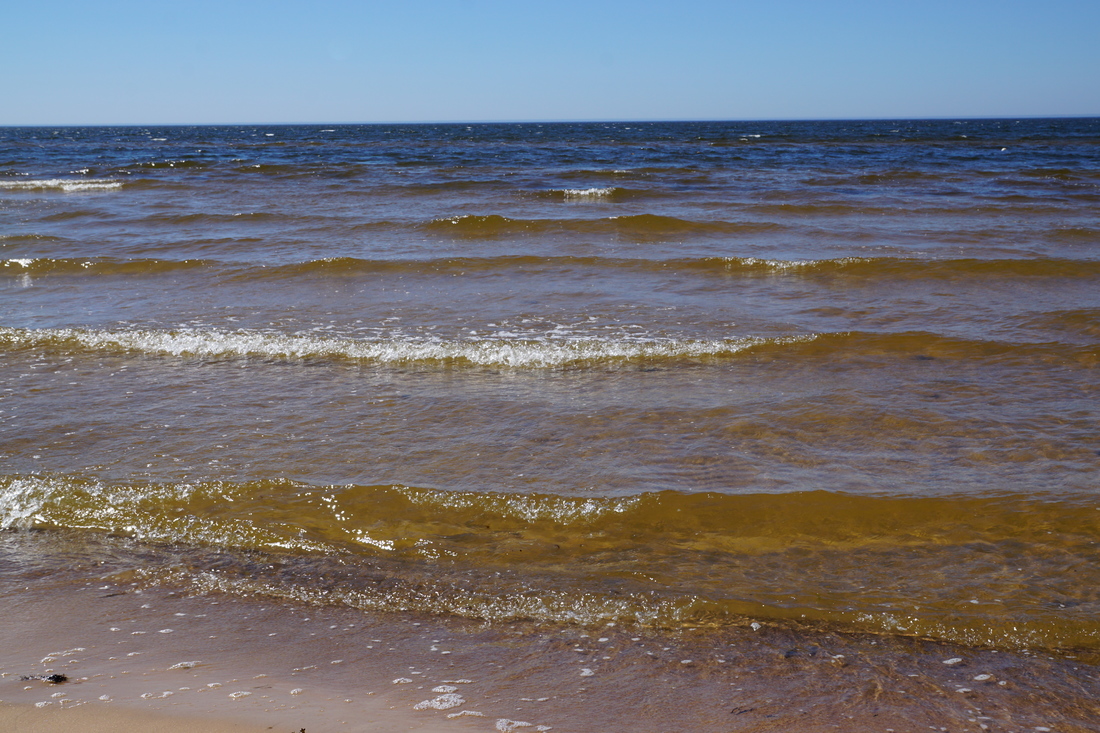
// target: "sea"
[[821, 379]]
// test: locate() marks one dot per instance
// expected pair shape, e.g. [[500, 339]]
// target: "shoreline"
[[164, 659]]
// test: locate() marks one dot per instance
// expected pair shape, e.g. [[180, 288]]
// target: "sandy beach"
[[157, 661], [160, 660], [28, 719]]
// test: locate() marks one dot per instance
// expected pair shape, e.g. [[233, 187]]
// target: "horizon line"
[[654, 120]]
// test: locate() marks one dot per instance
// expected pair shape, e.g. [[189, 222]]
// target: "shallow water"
[[826, 376], [287, 665]]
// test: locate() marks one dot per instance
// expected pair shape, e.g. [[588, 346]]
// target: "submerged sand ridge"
[[285, 666]]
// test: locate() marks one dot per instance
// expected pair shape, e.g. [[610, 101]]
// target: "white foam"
[[504, 725], [64, 184], [587, 193], [777, 265], [733, 263], [530, 353], [530, 508], [38, 501], [366, 539], [443, 702], [21, 502]]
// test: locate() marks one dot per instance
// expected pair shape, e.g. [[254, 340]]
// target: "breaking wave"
[[503, 352], [659, 559], [68, 185]]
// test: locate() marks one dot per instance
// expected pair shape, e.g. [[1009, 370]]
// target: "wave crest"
[[69, 185], [514, 353], [661, 559]]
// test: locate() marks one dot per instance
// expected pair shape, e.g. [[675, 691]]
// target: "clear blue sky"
[[244, 61]]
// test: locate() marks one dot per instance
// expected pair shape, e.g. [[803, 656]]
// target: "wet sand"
[[28, 719], [158, 659], [142, 661]]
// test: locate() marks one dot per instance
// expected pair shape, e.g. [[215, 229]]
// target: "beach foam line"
[[69, 185], [516, 353], [550, 350]]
